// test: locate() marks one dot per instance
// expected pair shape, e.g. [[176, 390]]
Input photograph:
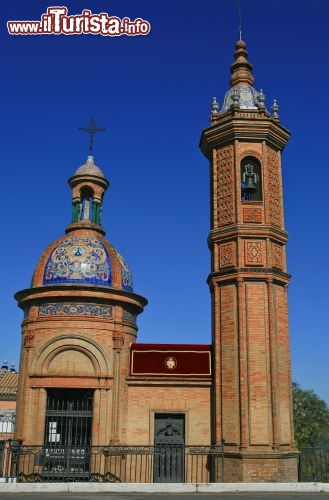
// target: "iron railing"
[[140, 464], [132, 464], [313, 465]]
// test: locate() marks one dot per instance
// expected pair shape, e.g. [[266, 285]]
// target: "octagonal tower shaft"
[[252, 406]]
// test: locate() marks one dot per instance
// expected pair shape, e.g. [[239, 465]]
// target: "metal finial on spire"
[[240, 19], [92, 129]]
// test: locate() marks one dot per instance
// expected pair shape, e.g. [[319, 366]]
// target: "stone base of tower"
[[261, 467]]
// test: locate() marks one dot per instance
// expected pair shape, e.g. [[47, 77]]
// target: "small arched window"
[[251, 179]]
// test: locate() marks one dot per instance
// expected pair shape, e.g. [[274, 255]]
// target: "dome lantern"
[[88, 187]]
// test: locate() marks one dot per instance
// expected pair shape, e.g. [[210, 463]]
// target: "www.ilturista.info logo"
[[56, 22]]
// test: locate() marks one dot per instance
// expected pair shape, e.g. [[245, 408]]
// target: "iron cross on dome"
[[92, 129]]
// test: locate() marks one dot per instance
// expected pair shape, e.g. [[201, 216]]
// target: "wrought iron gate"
[[68, 433], [169, 443]]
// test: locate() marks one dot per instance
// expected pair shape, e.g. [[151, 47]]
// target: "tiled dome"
[[89, 168], [82, 259]]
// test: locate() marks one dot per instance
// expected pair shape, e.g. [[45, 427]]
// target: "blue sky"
[[153, 95]]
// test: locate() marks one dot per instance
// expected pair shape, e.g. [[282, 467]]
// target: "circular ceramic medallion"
[[170, 363]]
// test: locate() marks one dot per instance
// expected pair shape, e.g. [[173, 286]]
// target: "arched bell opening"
[[251, 179]]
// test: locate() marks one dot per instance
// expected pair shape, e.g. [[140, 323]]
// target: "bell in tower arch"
[[250, 181]]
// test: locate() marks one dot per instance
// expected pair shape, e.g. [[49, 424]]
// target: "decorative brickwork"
[[274, 187], [227, 254], [252, 214], [277, 256], [254, 253], [225, 186]]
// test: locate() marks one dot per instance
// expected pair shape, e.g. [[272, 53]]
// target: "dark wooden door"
[[169, 441]]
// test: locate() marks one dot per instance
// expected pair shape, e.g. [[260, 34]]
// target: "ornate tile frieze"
[[72, 309]]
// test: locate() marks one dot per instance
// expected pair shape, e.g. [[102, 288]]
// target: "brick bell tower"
[[79, 321], [252, 407]]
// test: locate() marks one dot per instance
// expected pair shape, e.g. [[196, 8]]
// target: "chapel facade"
[[85, 380]]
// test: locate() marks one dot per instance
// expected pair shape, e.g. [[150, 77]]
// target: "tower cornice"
[[236, 230], [231, 275], [244, 126]]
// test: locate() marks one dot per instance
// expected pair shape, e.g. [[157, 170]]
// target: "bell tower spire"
[[241, 69], [248, 283]]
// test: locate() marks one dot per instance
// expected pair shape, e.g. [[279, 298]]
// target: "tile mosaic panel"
[[79, 260]]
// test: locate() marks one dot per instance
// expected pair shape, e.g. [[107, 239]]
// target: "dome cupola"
[[83, 256]]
